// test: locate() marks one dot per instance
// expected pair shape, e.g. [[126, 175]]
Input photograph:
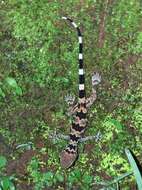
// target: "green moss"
[[38, 68]]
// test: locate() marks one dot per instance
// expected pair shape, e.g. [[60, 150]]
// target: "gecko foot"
[[96, 79], [69, 99]]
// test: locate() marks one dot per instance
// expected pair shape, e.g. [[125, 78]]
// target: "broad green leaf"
[[3, 161], [5, 183], [135, 168]]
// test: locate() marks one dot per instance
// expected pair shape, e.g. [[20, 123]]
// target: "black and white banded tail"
[[80, 58]]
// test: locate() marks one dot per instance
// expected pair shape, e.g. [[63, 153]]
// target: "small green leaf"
[[77, 174], [3, 161], [71, 179], [139, 37], [12, 187], [18, 91], [59, 177], [11, 82], [48, 176], [2, 93], [116, 123], [87, 179], [34, 164]]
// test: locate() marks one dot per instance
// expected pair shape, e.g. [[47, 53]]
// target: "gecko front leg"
[[72, 107], [96, 79]]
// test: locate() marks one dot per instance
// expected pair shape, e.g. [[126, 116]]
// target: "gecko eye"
[[96, 79], [70, 99]]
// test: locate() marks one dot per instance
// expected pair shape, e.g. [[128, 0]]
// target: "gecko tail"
[[67, 159], [80, 59]]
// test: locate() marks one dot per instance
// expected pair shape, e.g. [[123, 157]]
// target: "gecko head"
[[67, 159]]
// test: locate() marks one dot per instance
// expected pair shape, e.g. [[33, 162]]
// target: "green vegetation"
[[38, 68], [5, 181]]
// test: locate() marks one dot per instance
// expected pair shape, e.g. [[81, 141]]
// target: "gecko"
[[70, 154]]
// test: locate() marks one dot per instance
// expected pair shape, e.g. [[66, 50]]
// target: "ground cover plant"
[[38, 68]]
